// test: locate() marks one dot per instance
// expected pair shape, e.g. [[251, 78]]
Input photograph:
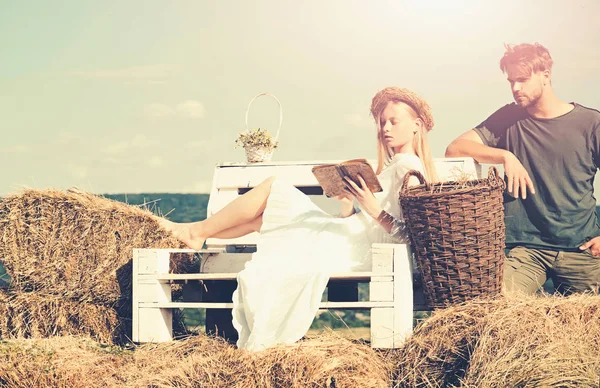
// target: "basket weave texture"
[[458, 236], [258, 154]]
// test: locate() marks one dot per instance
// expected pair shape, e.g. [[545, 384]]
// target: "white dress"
[[300, 245]]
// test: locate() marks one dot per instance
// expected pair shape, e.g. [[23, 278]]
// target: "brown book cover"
[[331, 176]]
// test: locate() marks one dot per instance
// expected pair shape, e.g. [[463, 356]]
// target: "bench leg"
[[403, 294], [391, 326], [151, 324]]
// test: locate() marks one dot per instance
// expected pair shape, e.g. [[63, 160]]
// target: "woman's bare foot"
[[184, 233]]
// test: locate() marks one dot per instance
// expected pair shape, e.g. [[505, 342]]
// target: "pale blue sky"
[[147, 95]]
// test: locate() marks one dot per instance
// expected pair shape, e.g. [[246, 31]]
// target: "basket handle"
[[280, 111], [410, 174], [494, 178]]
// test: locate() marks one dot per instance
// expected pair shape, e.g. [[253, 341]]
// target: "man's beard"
[[526, 101]]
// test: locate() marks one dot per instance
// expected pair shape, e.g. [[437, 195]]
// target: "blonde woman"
[[280, 289]]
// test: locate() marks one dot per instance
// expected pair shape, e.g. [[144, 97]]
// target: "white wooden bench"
[[390, 280]]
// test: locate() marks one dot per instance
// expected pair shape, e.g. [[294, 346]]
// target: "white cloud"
[[67, 138], [17, 149], [155, 161], [138, 141], [133, 72], [158, 111], [358, 120], [191, 109], [77, 171], [196, 145]]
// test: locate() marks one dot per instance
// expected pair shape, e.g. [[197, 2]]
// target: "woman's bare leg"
[[231, 220], [241, 230]]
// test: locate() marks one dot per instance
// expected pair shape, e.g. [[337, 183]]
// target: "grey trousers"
[[527, 269]]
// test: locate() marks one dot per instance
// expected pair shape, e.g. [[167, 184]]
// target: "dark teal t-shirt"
[[561, 156]]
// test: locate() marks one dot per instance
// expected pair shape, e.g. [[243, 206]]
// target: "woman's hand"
[[347, 202], [364, 196]]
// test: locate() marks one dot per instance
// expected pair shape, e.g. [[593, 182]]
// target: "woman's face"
[[398, 127]]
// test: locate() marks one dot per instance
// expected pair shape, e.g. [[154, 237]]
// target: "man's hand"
[[364, 196], [517, 176], [593, 245]]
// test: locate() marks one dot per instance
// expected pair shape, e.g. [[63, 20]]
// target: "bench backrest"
[[231, 180]]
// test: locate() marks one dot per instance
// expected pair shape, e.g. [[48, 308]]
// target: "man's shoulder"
[[504, 117], [587, 112]]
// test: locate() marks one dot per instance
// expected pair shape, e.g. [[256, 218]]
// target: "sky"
[[134, 96]]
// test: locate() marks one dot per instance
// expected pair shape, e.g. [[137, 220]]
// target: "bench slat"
[[229, 305], [233, 276]]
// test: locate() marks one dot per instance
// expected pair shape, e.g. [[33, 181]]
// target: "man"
[[550, 150]]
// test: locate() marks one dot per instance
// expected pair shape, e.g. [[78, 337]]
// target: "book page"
[[331, 177], [355, 168]]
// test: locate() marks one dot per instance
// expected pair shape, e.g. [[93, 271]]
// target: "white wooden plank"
[[381, 291], [244, 177], [249, 239], [228, 305], [135, 317], [382, 328], [157, 325], [403, 294], [233, 276], [382, 256]]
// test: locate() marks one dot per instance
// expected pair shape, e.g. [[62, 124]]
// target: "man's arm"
[[470, 144]]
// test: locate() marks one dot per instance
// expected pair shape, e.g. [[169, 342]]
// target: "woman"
[[280, 289]]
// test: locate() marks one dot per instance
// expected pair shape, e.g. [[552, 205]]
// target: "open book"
[[331, 176]]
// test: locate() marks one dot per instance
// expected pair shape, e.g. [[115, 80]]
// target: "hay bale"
[[30, 315], [76, 362], [75, 244], [516, 341], [327, 361], [198, 361]]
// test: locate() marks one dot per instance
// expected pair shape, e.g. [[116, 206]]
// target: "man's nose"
[[516, 87]]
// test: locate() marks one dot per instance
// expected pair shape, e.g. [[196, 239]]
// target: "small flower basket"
[[258, 143], [457, 233]]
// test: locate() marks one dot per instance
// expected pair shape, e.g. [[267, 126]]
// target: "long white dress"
[[300, 245]]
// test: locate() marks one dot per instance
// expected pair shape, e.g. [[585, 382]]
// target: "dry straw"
[[199, 361], [28, 315], [75, 245], [69, 258], [518, 341]]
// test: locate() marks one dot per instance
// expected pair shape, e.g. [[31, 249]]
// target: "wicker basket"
[[256, 154], [457, 233]]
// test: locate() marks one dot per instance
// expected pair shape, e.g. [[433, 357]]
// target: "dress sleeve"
[[399, 230]]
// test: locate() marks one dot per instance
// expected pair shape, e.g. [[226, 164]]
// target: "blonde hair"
[[529, 58], [414, 104]]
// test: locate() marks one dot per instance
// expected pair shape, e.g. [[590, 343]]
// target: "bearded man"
[[550, 150]]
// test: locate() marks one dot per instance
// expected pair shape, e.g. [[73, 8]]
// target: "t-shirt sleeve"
[[493, 129], [596, 145]]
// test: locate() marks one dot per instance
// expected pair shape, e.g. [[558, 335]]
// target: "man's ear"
[[546, 77]]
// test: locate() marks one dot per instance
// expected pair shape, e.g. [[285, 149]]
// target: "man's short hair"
[[530, 58]]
